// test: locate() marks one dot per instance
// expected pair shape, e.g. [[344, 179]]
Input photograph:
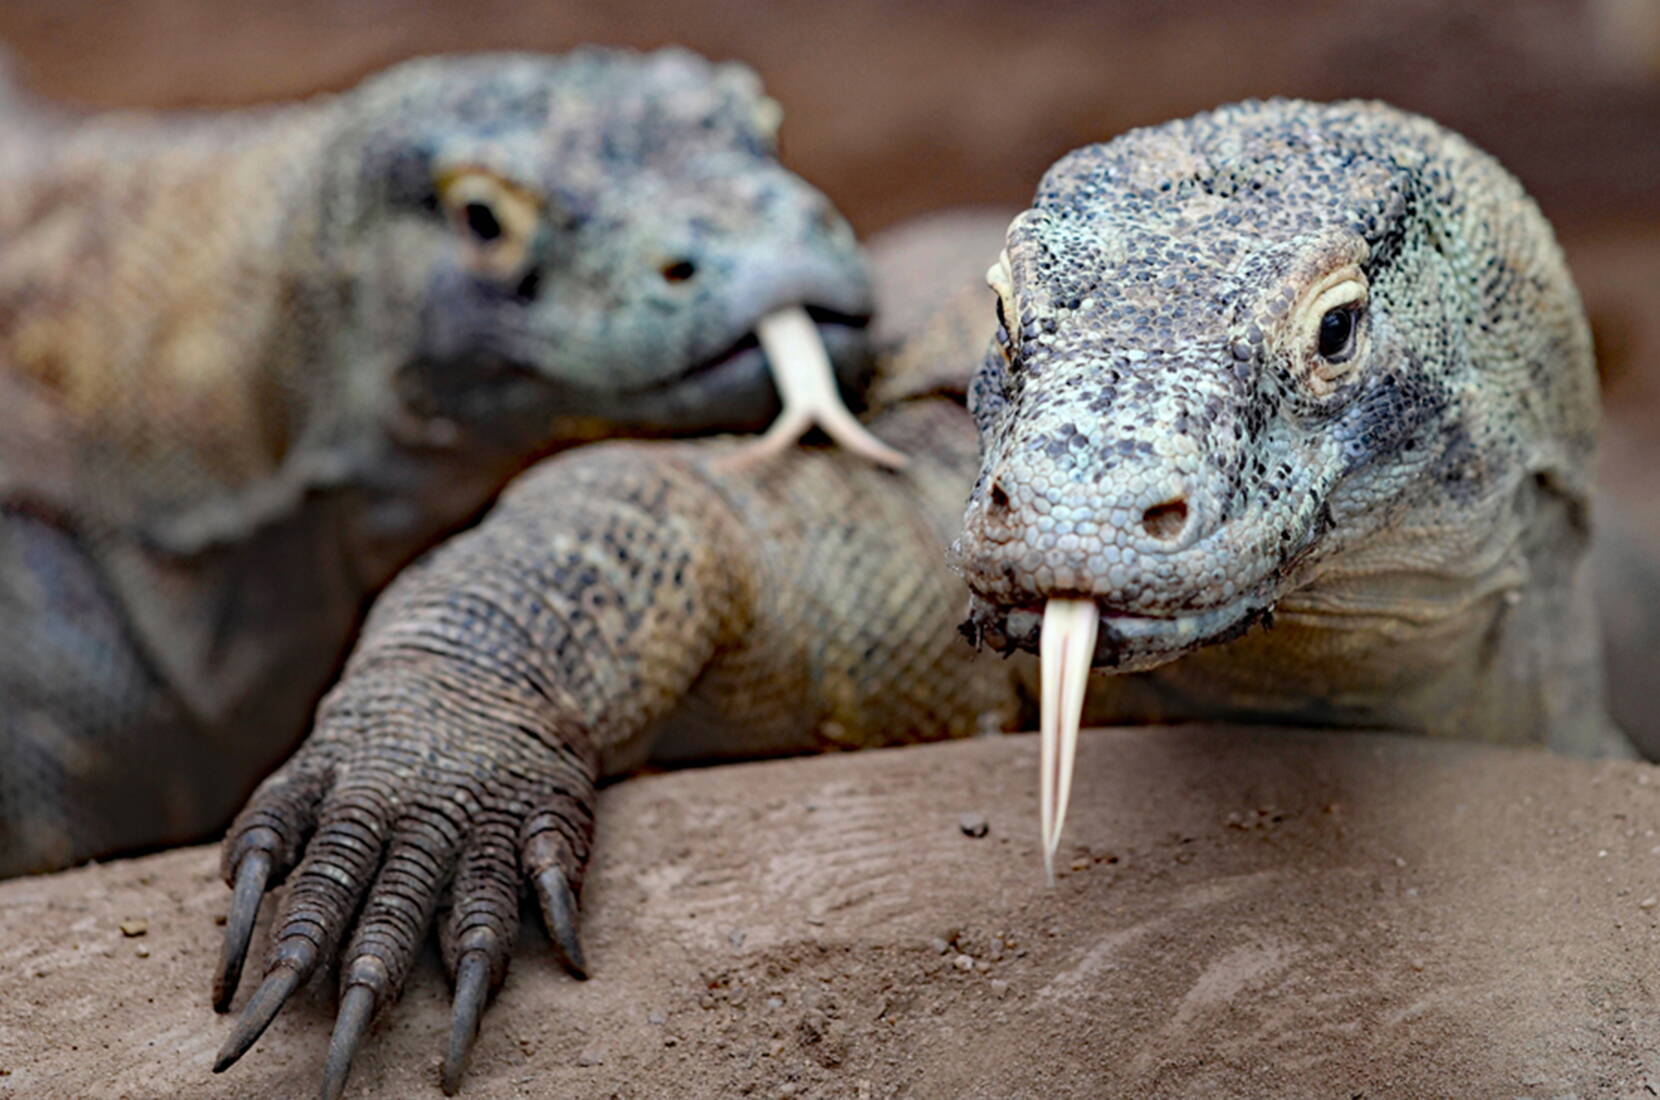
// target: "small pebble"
[[142, 952], [1649, 902], [671, 1040], [999, 987], [963, 962], [940, 946], [974, 825], [590, 1058], [138, 927]]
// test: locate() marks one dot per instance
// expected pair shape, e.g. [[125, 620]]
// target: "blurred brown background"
[[897, 108]]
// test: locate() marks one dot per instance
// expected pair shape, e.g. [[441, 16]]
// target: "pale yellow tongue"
[[1064, 650], [801, 370]]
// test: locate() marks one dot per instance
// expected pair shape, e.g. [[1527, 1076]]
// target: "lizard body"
[[1164, 383], [254, 362]]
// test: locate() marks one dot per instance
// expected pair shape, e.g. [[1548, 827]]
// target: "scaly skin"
[[1412, 519], [253, 363]]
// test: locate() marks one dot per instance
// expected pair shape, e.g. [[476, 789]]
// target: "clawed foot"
[[383, 831]]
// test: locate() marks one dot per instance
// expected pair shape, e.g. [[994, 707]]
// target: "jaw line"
[[1126, 642], [1142, 642]]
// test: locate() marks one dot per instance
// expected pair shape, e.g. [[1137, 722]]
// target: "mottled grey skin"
[[1415, 521], [1161, 432], [253, 363]]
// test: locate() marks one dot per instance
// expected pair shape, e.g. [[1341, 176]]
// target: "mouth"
[[1125, 641], [829, 322], [790, 347]]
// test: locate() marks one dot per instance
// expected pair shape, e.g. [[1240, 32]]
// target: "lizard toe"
[[357, 1005], [324, 891], [472, 989], [478, 932], [397, 914], [554, 850], [253, 873], [558, 904], [262, 845]]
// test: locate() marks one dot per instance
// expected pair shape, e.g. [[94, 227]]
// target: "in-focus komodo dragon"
[[1314, 368], [252, 363]]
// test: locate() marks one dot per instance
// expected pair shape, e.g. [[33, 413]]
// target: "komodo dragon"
[[1308, 367], [253, 363]]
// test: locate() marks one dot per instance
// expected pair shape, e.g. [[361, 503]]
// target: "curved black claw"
[[355, 1009], [257, 1015], [472, 988], [553, 891], [251, 879]]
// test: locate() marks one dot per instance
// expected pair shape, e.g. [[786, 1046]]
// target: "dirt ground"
[[1242, 913]]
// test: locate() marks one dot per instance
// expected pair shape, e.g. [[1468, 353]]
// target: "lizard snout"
[[1130, 538]]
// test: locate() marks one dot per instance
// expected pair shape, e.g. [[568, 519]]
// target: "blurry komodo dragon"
[[252, 363], [1314, 368]]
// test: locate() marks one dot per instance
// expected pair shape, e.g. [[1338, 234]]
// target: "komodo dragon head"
[[1319, 358], [593, 236]]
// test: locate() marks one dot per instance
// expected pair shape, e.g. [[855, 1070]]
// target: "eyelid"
[[1347, 292], [1000, 278]]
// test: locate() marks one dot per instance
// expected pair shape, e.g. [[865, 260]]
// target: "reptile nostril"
[[1165, 521], [999, 498], [678, 271]]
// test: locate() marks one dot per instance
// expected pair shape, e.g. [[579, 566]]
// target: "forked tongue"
[[801, 370], [1064, 652]]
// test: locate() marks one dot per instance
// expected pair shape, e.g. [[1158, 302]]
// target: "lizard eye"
[[1332, 326], [497, 219], [1001, 282], [1337, 333], [482, 220]]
